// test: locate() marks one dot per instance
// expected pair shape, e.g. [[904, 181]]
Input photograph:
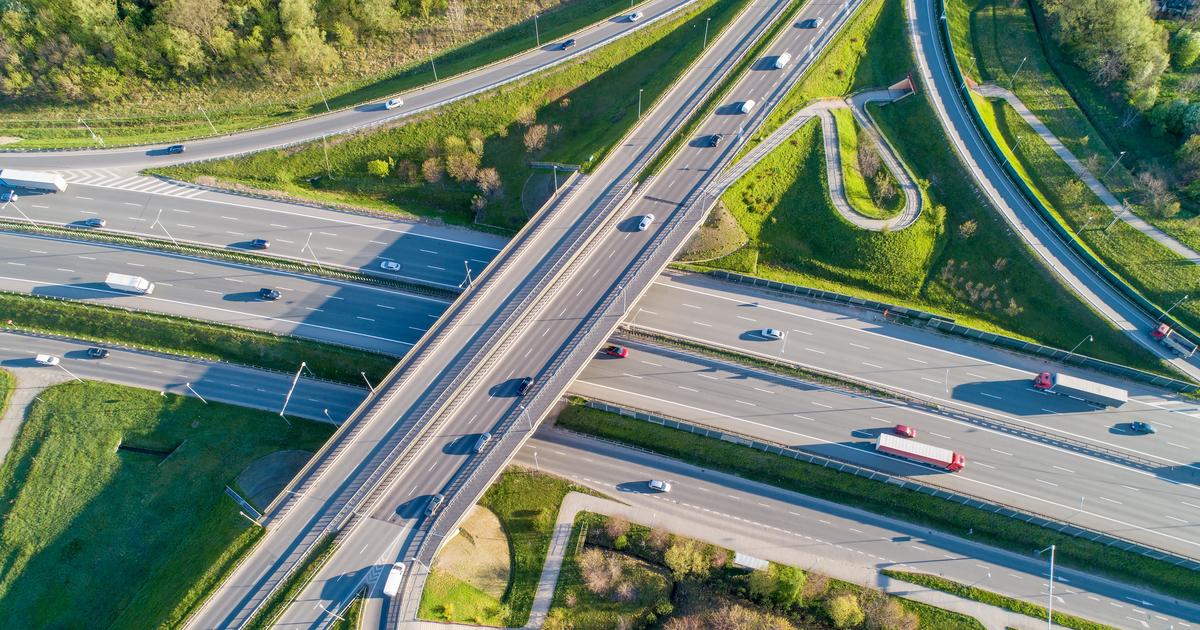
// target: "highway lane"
[[770, 523], [427, 253], [215, 381], [1083, 488], [580, 306], [942, 90], [419, 99], [942, 369], [374, 318]]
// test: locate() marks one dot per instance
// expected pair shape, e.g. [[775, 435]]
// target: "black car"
[[268, 294], [524, 385], [98, 353], [96, 222], [260, 243], [174, 148], [567, 44], [714, 140]]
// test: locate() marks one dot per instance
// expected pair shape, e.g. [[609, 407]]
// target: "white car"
[[771, 333], [46, 359], [389, 265], [635, 16], [659, 486], [747, 106], [393, 103], [645, 222]]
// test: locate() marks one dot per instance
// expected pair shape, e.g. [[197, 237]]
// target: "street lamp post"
[[1050, 599], [706, 21], [1087, 338], [537, 33], [1168, 311], [323, 99], [1114, 165], [640, 90], [1013, 82]]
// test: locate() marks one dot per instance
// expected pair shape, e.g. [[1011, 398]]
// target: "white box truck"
[[33, 180], [394, 578], [132, 284]]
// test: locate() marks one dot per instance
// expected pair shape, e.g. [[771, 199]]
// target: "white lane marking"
[[692, 306], [749, 319], [765, 391], [688, 389], [66, 270], [632, 375], [744, 402], [979, 463], [649, 363], [1174, 518], [796, 415], [133, 264], [390, 308], [802, 332], [1111, 500], [428, 251], [917, 361], [999, 451], [365, 319], [276, 225], [702, 324], [1178, 445], [974, 375], [186, 273], [1063, 469], [859, 345], [815, 350], [990, 395], [877, 367], [822, 405], [1048, 483]]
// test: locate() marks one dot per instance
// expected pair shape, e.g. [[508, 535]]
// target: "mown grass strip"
[[993, 599], [187, 337], [882, 498], [293, 585]]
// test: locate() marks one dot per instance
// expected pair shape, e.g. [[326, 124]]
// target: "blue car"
[[8, 195], [1144, 428]]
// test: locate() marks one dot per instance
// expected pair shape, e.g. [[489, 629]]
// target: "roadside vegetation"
[[188, 337], [468, 162], [870, 188], [184, 68], [106, 481], [882, 498], [958, 259], [470, 574], [618, 574], [994, 599]]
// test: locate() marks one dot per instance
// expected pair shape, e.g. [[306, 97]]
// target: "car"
[[747, 106], [524, 385], [903, 430], [95, 222], [771, 333], [658, 486], [97, 353], [435, 504], [570, 43], [268, 294], [393, 103], [260, 243], [8, 195], [782, 61], [46, 359], [645, 222], [482, 442], [714, 140], [617, 351], [389, 265], [1145, 428], [174, 149], [812, 23], [635, 16]]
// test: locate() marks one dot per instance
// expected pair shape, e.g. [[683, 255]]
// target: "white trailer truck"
[[32, 180], [132, 284], [1075, 387]]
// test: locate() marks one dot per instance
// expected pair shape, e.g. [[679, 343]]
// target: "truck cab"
[[1044, 381]]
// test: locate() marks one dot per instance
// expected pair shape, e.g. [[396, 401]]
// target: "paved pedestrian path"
[[833, 157], [1118, 209]]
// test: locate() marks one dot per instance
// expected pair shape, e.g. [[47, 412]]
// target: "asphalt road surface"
[[770, 523], [374, 318], [1085, 487]]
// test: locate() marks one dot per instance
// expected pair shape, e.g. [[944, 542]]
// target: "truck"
[[1176, 342], [1075, 387], [394, 578], [132, 284], [33, 180], [935, 456]]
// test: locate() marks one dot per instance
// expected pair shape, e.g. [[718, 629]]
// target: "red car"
[[617, 351], [903, 430]]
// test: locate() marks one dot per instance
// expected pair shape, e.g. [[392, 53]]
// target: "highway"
[[1143, 504], [368, 114], [970, 146], [375, 318], [770, 523], [214, 381]]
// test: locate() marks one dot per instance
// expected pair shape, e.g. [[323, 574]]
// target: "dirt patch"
[[478, 555], [264, 478], [719, 235], [10, 139]]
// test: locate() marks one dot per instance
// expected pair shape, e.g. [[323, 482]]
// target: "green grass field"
[[193, 338], [881, 498], [585, 106], [159, 118], [859, 190], [447, 598], [93, 536]]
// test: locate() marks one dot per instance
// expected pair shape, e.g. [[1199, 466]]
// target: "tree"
[[1187, 158], [885, 190], [526, 115], [686, 558], [881, 612], [1157, 195], [432, 170], [868, 158], [844, 611], [378, 168], [1117, 41], [967, 228], [1185, 48], [462, 166], [617, 525], [535, 138], [489, 182]]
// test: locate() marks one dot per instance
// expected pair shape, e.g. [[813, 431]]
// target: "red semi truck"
[[1075, 387], [936, 456], [1178, 343]]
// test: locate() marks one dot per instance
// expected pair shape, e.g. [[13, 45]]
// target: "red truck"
[[1178, 343], [1074, 387], [935, 456]]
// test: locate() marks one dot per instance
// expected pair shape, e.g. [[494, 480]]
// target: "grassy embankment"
[[959, 259], [497, 31], [1158, 273], [1090, 122], [189, 337], [883, 498], [860, 190], [584, 107], [160, 522]]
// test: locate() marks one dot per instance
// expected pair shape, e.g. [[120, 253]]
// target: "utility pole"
[[1050, 602], [159, 223], [1114, 165], [318, 82], [537, 33], [433, 65], [468, 281], [98, 139], [369, 386], [210, 123], [288, 397], [640, 90]]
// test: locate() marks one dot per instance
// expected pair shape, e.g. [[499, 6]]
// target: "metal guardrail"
[[935, 490], [941, 323]]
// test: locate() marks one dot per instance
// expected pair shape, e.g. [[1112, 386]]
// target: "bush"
[[1185, 48], [378, 168], [844, 611]]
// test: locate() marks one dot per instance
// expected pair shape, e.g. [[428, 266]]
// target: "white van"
[[782, 60], [46, 359], [394, 578], [747, 106]]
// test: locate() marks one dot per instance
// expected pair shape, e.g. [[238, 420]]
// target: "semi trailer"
[[1176, 342], [1075, 387], [32, 180], [935, 456]]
